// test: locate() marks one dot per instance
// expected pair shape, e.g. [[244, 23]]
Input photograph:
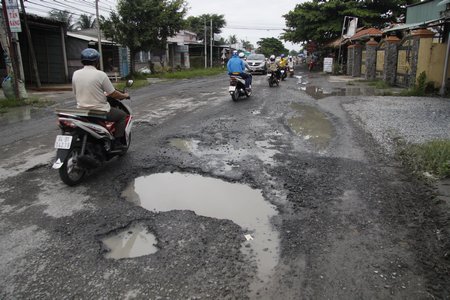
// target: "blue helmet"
[[282, 55], [235, 53], [89, 55]]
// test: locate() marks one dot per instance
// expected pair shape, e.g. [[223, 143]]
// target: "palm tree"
[[232, 39], [63, 16], [86, 22]]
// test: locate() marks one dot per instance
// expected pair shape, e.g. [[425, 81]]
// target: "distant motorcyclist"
[[290, 63], [283, 64], [273, 66], [236, 66]]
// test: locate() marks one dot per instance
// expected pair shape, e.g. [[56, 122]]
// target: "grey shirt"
[[91, 87]]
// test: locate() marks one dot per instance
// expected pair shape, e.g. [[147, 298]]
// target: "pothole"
[[214, 198], [322, 92], [312, 124], [133, 241]]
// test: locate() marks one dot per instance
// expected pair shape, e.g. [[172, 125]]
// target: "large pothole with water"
[[218, 199]]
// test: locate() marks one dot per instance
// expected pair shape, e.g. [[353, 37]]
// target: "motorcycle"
[[237, 87], [86, 141], [283, 73], [291, 71], [272, 79]]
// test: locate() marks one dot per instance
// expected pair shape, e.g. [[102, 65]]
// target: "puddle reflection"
[[132, 242], [322, 92], [214, 198], [312, 124]]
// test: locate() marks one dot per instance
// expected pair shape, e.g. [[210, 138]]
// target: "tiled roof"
[[366, 34]]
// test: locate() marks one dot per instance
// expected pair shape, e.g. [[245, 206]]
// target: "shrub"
[[432, 157]]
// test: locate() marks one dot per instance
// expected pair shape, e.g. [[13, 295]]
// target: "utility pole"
[[211, 43], [12, 52], [30, 44], [206, 49], [340, 44], [99, 35]]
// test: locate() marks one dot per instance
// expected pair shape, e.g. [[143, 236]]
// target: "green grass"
[[140, 80], [379, 84], [33, 101], [138, 83], [432, 157], [186, 74]]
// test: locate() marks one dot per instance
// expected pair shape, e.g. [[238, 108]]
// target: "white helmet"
[[272, 57], [241, 55]]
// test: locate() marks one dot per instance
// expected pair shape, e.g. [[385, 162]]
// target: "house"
[[176, 55], [48, 38], [115, 57]]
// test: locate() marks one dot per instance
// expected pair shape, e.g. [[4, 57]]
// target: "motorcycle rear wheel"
[[235, 94], [128, 146], [69, 172]]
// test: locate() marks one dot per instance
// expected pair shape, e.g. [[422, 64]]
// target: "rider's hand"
[[127, 96]]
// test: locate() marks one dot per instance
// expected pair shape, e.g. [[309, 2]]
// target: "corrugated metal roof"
[[412, 26], [88, 38], [424, 11]]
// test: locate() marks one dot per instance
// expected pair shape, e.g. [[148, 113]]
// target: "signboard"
[[12, 9], [328, 64]]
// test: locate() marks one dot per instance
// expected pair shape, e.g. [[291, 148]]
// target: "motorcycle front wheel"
[[69, 172]]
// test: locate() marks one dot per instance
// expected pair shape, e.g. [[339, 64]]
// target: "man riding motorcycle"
[[273, 66], [283, 64], [92, 86], [236, 66]]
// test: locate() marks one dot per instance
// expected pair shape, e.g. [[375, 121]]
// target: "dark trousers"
[[118, 116], [248, 79], [246, 76]]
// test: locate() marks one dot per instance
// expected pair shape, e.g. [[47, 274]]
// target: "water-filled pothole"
[[214, 198], [322, 92], [312, 125], [133, 241]]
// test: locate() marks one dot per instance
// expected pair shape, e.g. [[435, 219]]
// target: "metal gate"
[[403, 76], [380, 60]]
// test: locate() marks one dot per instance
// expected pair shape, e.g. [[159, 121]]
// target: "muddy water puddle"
[[322, 92], [218, 199], [16, 114], [311, 124], [131, 242]]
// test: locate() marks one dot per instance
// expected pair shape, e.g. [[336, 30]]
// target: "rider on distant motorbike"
[[283, 63], [92, 86], [273, 66], [236, 66]]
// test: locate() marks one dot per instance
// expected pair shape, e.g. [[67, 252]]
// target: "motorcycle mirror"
[[129, 83]]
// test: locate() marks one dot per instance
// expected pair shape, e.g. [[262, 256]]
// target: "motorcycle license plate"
[[231, 88], [63, 141]]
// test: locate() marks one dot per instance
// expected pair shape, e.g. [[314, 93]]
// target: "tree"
[[269, 46], [85, 22], [247, 45], [144, 25], [197, 24], [63, 16], [232, 39], [293, 53], [322, 20]]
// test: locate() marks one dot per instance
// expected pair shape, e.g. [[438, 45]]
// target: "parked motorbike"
[[237, 87], [86, 141], [272, 79]]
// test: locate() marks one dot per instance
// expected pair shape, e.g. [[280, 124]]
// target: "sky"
[[249, 20]]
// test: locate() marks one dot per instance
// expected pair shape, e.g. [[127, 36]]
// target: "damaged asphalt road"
[[325, 211]]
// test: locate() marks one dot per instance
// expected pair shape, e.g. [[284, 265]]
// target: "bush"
[[432, 157]]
